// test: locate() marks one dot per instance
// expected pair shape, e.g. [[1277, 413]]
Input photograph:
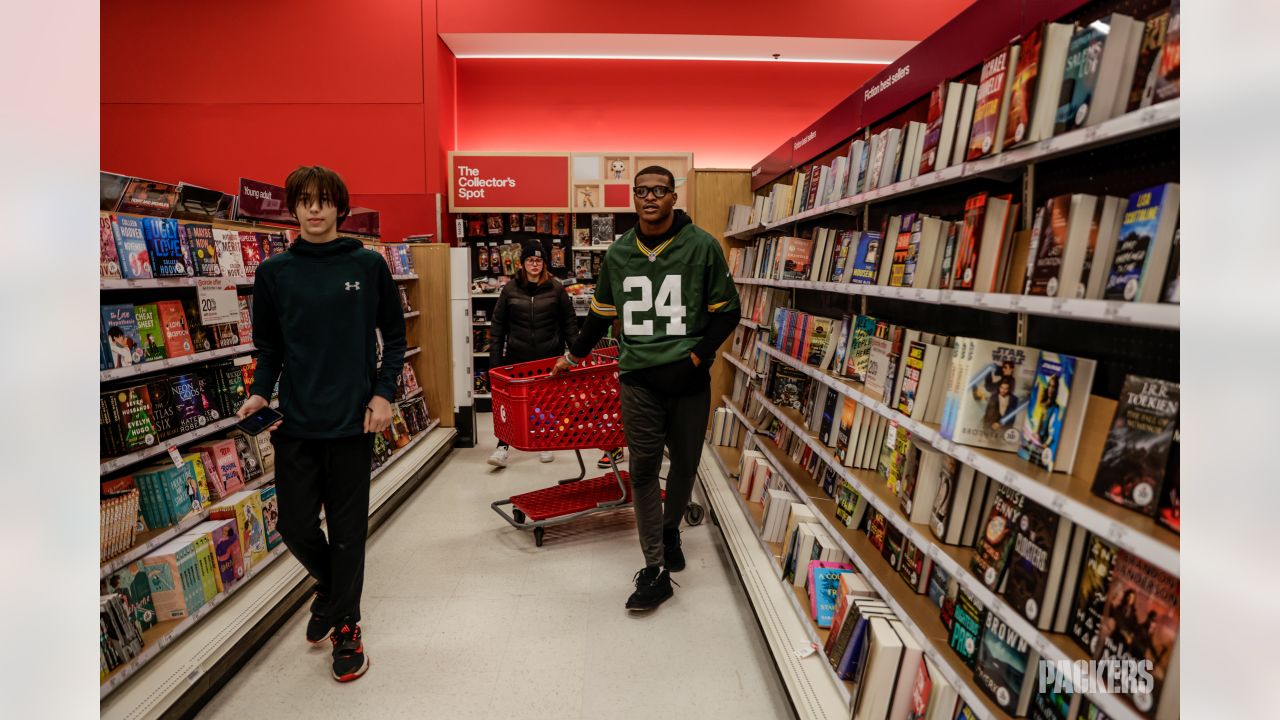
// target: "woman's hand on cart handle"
[[566, 363]]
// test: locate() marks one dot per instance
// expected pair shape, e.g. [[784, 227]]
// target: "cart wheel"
[[537, 536], [693, 514], [518, 515]]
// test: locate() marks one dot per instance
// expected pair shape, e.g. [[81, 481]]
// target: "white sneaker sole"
[[497, 463], [352, 676]]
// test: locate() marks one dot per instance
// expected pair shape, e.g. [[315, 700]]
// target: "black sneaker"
[[318, 629], [603, 462], [653, 587], [672, 555], [349, 660]]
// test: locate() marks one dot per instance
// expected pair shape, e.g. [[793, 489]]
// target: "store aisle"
[[465, 618]]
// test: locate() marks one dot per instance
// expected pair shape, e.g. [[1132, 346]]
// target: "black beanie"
[[532, 248]]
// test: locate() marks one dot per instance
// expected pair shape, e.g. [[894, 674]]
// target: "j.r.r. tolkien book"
[[1084, 57], [1090, 598], [169, 257], [991, 559], [108, 256], [990, 408], [203, 249], [1135, 457], [966, 627], [1037, 563], [131, 247], [1140, 623], [150, 332], [1145, 74], [1144, 246], [1006, 667]]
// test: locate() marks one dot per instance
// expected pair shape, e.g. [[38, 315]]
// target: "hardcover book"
[[1023, 91], [250, 252], [859, 354], [866, 260], [1005, 667], [990, 409], [966, 257], [1143, 248], [1039, 551], [991, 559], [1147, 71], [986, 135], [230, 257], [147, 197], [1168, 80], [1141, 623], [169, 257], [933, 129], [966, 627], [108, 257], [1090, 598], [1047, 414], [1050, 247], [131, 247], [1136, 454], [1169, 510], [1084, 56]]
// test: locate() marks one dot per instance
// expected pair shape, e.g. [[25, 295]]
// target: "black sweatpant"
[[650, 422], [334, 475]]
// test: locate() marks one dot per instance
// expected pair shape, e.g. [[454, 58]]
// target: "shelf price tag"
[[1119, 534], [217, 300], [175, 456]]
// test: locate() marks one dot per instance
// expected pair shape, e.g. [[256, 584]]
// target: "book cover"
[[1042, 429], [203, 249], [244, 327], [150, 332], [787, 386], [169, 257], [1051, 245], [966, 627], [199, 334], [914, 567], [250, 252], [1169, 78], [986, 114], [108, 256], [1140, 623], [901, 257], [131, 585], [270, 516], [1136, 454], [796, 258], [1172, 276], [823, 584], [933, 129], [1057, 701], [134, 407], [949, 246], [991, 559], [1004, 666], [1032, 587], [859, 359], [819, 339], [1090, 598], [991, 405], [173, 323], [969, 244], [1084, 56], [1023, 91], [120, 327], [131, 247], [1169, 509], [1147, 70], [866, 261], [914, 368], [1132, 264], [226, 550], [230, 257], [148, 197]]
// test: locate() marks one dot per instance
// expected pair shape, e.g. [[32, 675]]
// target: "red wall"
[[255, 89], [729, 114]]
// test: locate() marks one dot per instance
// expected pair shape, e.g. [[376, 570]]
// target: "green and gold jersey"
[[664, 295]]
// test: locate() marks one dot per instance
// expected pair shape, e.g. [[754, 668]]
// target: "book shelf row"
[[1117, 312], [176, 282], [1067, 495], [954, 560], [1126, 127], [173, 362], [116, 463]]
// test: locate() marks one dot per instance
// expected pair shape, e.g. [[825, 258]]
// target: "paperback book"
[[1135, 457]]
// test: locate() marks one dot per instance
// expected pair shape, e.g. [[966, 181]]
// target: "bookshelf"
[[168, 363], [1120, 156]]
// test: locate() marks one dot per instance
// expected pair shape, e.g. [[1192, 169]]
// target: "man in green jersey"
[[667, 280]]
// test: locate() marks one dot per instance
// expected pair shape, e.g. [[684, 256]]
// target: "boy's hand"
[[563, 366], [253, 405], [377, 416]]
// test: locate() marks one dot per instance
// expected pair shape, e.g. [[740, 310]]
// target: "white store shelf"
[[156, 365], [402, 278], [1081, 511], [412, 314], [153, 283], [740, 364]]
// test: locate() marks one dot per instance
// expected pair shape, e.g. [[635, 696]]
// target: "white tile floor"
[[465, 618]]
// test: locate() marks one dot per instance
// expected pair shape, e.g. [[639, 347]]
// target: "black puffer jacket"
[[531, 322]]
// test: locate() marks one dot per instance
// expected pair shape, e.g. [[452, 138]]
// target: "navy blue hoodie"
[[315, 310]]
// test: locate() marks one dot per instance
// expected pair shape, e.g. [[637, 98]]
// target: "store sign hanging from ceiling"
[[503, 182]]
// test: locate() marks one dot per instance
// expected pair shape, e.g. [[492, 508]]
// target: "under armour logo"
[[352, 285]]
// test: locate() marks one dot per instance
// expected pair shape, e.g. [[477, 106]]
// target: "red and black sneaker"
[[349, 660]]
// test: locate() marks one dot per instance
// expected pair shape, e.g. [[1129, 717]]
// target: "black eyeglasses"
[[658, 191]]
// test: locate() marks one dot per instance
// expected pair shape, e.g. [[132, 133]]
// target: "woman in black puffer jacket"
[[534, 319]]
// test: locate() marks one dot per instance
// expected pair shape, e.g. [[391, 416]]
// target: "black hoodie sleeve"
[[568, 318], [391, 323], [267, 337], [498, 328]]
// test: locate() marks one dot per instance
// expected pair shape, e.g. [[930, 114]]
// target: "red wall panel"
[[312, 51], [378, 149], [900, 20], [729, 114]]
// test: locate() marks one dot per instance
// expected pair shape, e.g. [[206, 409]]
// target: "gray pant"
[[650, 422]]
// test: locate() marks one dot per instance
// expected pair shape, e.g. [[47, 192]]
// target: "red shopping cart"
[[581, 409]]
